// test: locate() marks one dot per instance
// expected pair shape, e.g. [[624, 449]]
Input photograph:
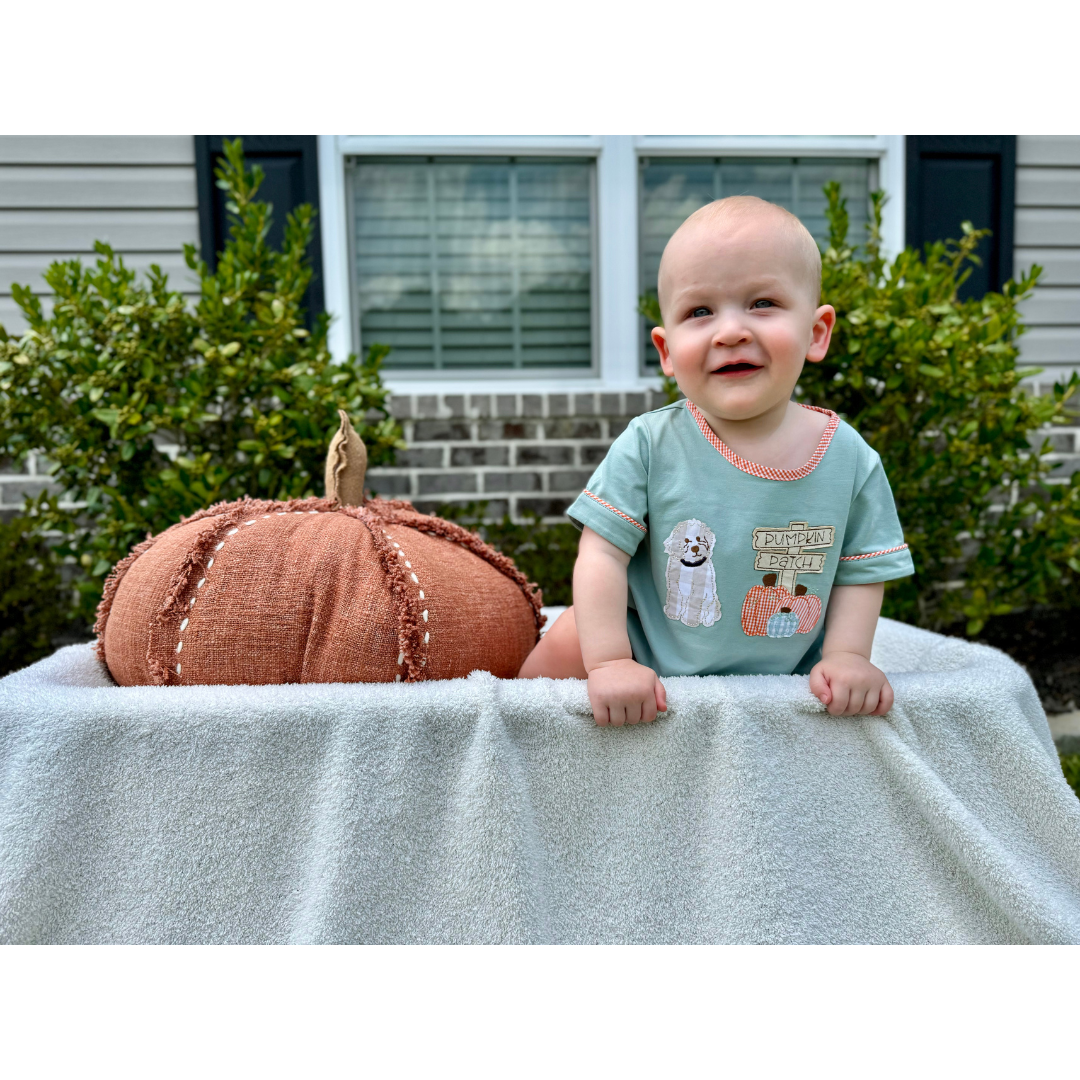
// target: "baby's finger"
[[870, 703], [856, 701], [617, 714], [633, 712], [819, 686], [648, 710], [886, 702], [600, 715], [661, 696], [839, 703]]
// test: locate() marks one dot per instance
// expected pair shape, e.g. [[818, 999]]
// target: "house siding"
[[60, 193], [1048, 233]]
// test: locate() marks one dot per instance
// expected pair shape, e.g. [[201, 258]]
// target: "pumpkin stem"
[[346, 465]]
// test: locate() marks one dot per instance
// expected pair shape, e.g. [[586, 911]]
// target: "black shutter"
[[291, 165], [955, 178]]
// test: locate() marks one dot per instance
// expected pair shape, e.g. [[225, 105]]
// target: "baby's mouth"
[[737, 368]]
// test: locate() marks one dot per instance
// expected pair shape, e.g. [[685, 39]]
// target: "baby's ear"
[[659, 339], [821, 334]]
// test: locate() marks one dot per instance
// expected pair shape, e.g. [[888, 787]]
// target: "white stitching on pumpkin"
[[210, 562], [416, 581], [283, 513]]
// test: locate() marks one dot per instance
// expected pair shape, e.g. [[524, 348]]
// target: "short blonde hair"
[[738, 208]]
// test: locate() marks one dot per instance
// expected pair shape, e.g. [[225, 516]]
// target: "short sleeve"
[[616, 502], [874, 548]]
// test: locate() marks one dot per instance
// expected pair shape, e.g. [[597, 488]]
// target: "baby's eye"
[[761, 304], [700, 312]]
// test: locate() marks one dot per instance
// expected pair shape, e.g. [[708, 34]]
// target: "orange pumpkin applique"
[[762, 603], [808, 607]]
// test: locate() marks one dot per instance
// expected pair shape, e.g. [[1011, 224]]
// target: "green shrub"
[[543, 553], [1070, 766], [931, 383], [148, 410], [33, 599]]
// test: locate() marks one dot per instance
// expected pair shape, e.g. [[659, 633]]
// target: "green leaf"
[[111, 417]]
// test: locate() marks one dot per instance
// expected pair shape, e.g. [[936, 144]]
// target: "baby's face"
[[740, 316]]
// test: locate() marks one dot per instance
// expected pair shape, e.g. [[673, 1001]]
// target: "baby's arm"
[[844, 679], [621, 691]]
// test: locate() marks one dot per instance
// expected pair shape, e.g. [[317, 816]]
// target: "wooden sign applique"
[[784, 551], [778, 608]]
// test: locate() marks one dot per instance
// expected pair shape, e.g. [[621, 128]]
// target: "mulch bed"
[[1048, 645]]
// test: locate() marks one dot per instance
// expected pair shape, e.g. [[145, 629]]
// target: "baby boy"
[[735, 532]]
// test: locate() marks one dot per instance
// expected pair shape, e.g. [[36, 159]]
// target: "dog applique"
[[691, 579]]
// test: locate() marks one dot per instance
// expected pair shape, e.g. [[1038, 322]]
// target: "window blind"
[[673, 188], [474, 263]]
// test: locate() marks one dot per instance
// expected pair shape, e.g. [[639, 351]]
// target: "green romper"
[[731, 563]]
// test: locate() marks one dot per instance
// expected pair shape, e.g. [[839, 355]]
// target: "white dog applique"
[[691, 580]]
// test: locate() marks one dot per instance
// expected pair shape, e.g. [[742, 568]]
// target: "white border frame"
[[616, 242]]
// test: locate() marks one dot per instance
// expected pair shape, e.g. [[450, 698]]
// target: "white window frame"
[[615, 345]]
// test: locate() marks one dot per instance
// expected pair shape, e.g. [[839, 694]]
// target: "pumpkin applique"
[[762, 603], [807, 607], [783, 624], [767, 601]]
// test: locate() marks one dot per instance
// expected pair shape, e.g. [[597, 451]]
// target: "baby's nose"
[[730, 330]]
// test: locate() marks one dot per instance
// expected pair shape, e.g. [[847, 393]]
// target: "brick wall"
[[518, 452]]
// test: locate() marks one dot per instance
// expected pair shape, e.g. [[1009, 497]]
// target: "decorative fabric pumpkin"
[[761, 604], [808, 607], [783, 624], [311, 590]]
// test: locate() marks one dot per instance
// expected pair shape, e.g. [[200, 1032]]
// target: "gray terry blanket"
[[480, 810]]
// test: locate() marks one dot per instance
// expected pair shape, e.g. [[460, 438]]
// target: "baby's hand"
[[625, 692], [849, 685]]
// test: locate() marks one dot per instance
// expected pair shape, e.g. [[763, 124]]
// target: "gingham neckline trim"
[[765, 472]]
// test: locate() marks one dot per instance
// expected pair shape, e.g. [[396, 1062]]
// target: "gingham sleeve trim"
[[766, 472], [618, 513], [872, 554]]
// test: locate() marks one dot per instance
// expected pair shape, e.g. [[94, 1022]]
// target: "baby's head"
[[739, 289]]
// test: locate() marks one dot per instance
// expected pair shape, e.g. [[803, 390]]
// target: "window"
[[474, 263], [515, 262], [673, 188]]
